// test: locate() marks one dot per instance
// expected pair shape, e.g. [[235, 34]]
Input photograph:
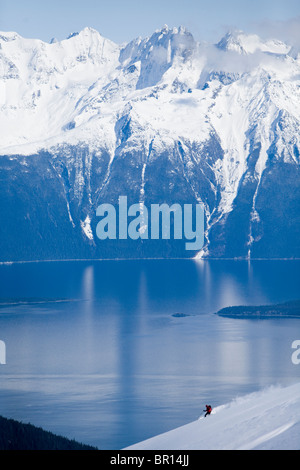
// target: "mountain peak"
[[9, 36], [181, 30], [233, 41], [158, 52], [164, 29], [243, 43], [87, 31]]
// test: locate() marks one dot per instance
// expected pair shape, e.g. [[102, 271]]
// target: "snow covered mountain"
[[265, 420], [161, 119]]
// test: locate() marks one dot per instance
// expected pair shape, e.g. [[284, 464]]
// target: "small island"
[[180, 315], [13, 302], [289, 309]]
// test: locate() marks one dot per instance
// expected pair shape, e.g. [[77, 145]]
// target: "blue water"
[[111, 365]]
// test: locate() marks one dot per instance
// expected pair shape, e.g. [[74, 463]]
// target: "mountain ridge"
[[165, 119]]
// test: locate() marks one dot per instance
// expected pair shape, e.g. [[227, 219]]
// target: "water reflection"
[[115, 359], [88, 283]]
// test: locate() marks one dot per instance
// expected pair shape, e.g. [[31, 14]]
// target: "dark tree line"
[[15, 435]]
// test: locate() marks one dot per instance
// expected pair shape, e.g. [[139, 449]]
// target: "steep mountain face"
[[161, 119]]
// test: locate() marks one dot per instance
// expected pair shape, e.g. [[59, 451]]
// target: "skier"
[[208, 410]]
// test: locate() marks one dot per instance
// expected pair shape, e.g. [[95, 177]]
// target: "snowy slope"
[[269, 419], [42, 84]]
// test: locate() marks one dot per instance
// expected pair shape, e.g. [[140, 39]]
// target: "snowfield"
[[264, 420]]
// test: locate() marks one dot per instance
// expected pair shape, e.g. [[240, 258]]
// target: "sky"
[[124, 20]]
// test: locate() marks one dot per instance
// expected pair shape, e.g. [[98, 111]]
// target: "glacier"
[[160, 119]]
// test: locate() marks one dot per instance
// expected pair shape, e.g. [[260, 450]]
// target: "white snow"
[[265, 420], [168, 86], [86, 227], [73, 91], [243, 43]]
